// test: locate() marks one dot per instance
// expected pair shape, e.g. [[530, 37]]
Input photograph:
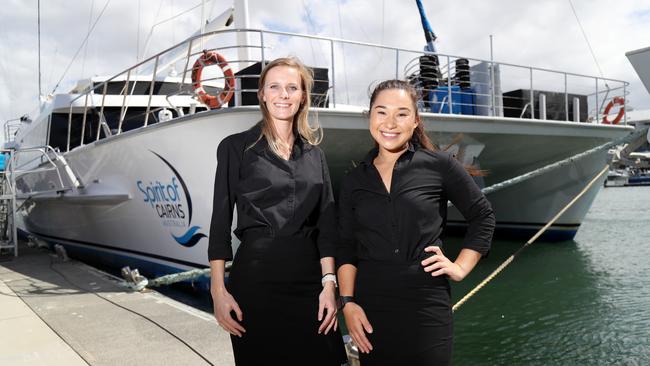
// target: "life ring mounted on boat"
[[209, 58], [616, 100]]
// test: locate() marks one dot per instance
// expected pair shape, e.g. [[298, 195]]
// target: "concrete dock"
[[67, 313]]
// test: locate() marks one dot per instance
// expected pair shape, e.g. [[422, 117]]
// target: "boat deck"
[[67, 313]]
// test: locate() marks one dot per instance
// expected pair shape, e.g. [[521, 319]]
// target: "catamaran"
[[120, 169]]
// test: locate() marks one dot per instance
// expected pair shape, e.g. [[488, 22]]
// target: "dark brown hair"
[[419, 136]]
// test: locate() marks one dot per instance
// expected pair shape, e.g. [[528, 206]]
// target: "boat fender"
[[209, 58], [165, 115], [616, 100]]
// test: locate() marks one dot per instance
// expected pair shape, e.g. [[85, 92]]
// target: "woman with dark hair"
[[393, 273], [279, 305]]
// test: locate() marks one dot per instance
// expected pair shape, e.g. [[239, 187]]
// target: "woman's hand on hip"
[[224, 304], [358, 325], [327, 308], [439, 265]]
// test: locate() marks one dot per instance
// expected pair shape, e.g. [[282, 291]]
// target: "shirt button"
[[396, 251]]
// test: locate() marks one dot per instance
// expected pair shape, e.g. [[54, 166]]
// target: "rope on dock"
[[529, 242], [138, 282]]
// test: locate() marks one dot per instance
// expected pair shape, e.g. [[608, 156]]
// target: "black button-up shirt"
[[396, 226], [274, 197]]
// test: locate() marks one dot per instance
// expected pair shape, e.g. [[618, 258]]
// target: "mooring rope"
[[529, 242], [545, 169], [197, 273]]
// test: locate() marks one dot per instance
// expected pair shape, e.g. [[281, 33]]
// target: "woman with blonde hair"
[[279, 303]]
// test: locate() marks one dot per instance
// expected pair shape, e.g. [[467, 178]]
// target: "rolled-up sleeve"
[[463, 192], [225, 181], [327, 236], [346, 250]]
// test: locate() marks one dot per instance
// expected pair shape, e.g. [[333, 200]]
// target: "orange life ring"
[[616, 100], [213, 58]]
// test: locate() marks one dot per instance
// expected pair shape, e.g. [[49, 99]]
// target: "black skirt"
[[410, 312], [276, 282]]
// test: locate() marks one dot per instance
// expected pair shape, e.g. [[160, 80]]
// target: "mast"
[[242, 21], [40, 93], [426, 27]]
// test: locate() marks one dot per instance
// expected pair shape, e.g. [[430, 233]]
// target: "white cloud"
[[537, 33]]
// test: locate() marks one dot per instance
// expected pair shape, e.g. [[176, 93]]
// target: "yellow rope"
[[529, 242]]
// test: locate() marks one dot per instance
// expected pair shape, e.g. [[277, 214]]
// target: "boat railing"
[[449, 84], [44, 160]]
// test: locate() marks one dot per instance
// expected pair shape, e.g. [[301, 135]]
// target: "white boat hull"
[[148, 192]]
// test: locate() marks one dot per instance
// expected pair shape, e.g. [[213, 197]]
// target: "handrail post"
[[597, 108], [449, 103], [122, 111], [624, 103], [187, 63], [397, 63], [69, 127], [83, 123], [493, 102], [262, 48], [333, 75], [566, 98], [151, 87], [101, 111], [532, 95]]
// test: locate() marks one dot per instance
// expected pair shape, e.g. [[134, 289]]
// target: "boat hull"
[[147, 196]]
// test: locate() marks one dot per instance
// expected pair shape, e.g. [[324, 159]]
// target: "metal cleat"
[[61, 252], [134, 279]]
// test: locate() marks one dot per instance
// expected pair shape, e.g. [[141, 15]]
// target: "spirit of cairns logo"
[[172, 205]]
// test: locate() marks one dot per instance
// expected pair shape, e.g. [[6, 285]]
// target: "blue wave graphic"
[[190, 238]]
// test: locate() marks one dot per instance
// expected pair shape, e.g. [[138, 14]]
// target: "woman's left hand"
[[327, 308], [438, 265]]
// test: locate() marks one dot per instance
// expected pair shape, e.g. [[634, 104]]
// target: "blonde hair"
[[313, 133]]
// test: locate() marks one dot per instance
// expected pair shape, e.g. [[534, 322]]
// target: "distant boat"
[[617, 178], [127, 174]]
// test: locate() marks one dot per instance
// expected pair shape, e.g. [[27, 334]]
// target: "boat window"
[[142, 88]]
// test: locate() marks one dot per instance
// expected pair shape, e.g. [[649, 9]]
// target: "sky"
[[541, 33]]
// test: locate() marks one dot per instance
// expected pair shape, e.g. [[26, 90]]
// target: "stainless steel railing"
[[490, 78]]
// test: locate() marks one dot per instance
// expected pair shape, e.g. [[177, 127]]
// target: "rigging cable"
[[313, 31], [80, 47], [177, 15], [146, 42], [345, 66], [90, 19], [137, 36], [584, 34]]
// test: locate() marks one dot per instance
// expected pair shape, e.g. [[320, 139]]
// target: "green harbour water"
[[579, 302]]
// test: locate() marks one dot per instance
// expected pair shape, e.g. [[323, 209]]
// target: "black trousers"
[[276, 282], [410, 312]]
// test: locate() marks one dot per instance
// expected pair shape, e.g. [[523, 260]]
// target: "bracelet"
[[329, 273], [344, 300], [329, 277]]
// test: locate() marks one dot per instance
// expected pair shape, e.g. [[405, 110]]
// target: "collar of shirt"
[[406, 155], [300, 145]]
